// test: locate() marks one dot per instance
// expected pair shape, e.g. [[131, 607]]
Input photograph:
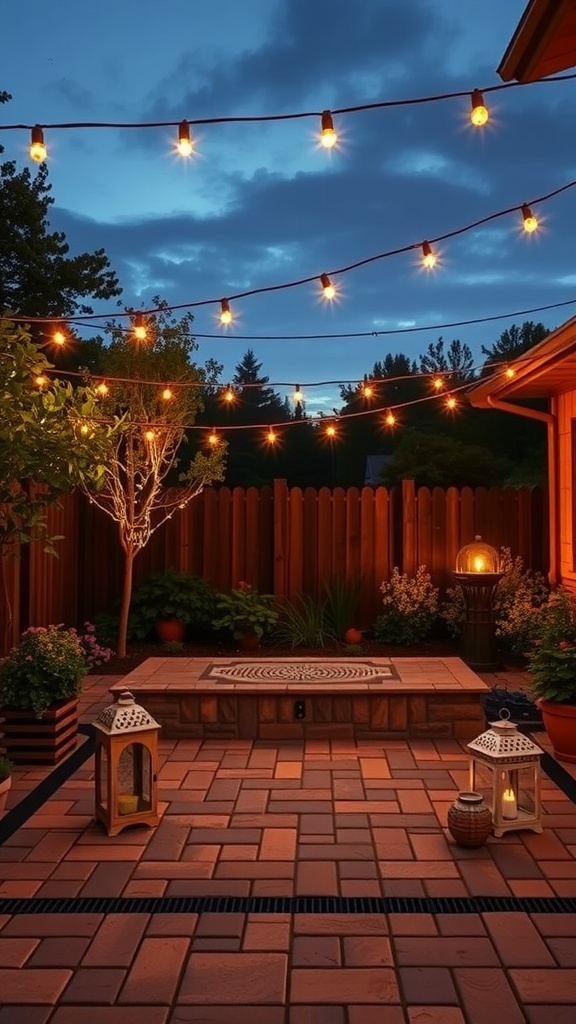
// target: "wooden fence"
[[287, 541]]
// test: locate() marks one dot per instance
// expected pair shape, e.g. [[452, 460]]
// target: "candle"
[[479, 564], [509, 808], [127, 804]]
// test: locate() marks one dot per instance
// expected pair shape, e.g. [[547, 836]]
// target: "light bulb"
[[530, 221], [368, 391], [59, 338], [139, 327], [330, 430], [271, 436], [328, 137], [184, 141], [40, 380], [84, 428], [149, 435], [229, 395], [428, 256], [213, 438], [479, 113], [451, 402], [297, 396], [510, 372], [437, 383], [102, 389], [167, 394], [225, 312], [37, 146], [390, 418], [328, 289]]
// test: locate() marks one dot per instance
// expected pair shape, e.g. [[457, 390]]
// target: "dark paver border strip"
[[38, 796], [288, 905]]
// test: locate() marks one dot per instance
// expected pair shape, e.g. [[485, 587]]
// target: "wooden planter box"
[[46, 740]]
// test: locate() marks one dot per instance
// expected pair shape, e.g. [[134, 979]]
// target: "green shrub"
[[552, 660], [342, 600], [410, 608], [243, 611], [172, 595], [304, 622], [47, 667]]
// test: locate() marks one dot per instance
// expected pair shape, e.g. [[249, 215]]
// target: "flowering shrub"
[[410, 608], [519, 600], [552, 660], [95, 653], [47, 666], [244, 611]]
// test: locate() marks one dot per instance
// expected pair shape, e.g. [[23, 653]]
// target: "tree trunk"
[[129, 555]]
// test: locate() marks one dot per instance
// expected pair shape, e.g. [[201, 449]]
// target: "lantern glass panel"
[[134, 779], [103, 778]]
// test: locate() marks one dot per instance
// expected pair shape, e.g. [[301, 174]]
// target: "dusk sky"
[[262, 204]]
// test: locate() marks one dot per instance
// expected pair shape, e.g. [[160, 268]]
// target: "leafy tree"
[[457, 360], [514, 342], [49, 442], [152, 431], [38, 277], [440, 461]]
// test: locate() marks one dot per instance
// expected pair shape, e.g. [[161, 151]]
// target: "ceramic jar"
[[469, 820]]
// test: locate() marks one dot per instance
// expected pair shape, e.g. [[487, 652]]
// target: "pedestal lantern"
[[126, 766], [478, 573], [505, 768]]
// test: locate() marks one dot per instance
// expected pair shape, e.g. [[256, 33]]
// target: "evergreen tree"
[[457, 361], [514, 342]]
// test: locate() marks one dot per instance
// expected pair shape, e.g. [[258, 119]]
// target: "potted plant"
[[168, 603], [552, 664], [40, 681], [245, 613], [6, 767]]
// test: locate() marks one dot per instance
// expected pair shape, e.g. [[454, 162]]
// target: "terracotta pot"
[[560, 724], [353, 636], [249, 642], [46, 740], [169, 630], [4, 787], [469, 820]]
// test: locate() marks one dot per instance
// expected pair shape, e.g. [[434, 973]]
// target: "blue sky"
[[262, 204]]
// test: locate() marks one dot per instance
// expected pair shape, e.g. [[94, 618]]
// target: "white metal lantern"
[[505, 766], [126, 766]]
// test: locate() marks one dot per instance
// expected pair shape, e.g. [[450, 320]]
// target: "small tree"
[[49, 440], [153, 425]]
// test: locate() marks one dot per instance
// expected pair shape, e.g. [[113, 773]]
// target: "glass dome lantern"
[[477, 557]]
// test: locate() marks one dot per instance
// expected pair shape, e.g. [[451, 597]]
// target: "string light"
[[167, 394], [84, 428], [271, 436], [328, 137], [437, 383], [59, 338], [429, 257], [367, 390], [229, 395], [225, 312], [213, 438], [140, 331], [102, 389], [38, 151], [184, 141], [479, 112], [297, 396], [510, 372], [328, 289], [389, 418], [40, 380], [330, 431], [149, 435], [530, 222], [451, 402]]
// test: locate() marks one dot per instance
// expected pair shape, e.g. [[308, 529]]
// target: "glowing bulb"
[[229, 395], [479, 563], [437, 383], [428, 256], [213, 438], [368, 391], [184, 141], [510, 372], [479, 113], [139, 327], [390, 418], [225, 312], [328, 289], [59, 338], [102, 389], [40, 380], [167, 394], [451, 402], [271, 436], [84, 428], [297, 396], [530, 221], [149, 435], [37, 146], [328, 137], [331, 430]]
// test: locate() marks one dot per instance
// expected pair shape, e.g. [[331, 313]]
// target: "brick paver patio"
[[328, 818]]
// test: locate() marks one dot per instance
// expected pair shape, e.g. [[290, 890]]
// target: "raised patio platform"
[[296, 698]]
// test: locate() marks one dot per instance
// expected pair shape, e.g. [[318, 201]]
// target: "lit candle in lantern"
[[479, 564], [509, 806], [127, 803]]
